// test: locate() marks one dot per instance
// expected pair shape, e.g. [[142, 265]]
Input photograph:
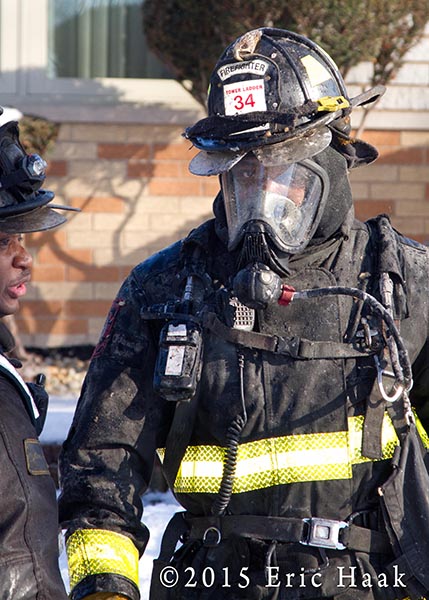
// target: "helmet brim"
[[303, 145], [218, 156], [34, 214], [11, 207], [371, 95], [38, 219]]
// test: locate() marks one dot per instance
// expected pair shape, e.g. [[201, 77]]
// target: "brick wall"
[[398, 182], [137, 196]]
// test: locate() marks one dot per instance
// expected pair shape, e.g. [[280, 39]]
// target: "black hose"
[[403, 371]]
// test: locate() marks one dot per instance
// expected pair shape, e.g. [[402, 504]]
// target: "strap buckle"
[[324, 533]]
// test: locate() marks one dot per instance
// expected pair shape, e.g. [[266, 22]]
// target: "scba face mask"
[[287, 200]]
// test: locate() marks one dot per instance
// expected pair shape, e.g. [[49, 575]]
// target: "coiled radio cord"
[[233, 437]]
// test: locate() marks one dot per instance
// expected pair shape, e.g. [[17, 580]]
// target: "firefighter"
[[267, 358], [28, 515]]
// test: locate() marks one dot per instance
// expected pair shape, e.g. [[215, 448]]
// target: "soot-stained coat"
[[29, 549], [300, 450]]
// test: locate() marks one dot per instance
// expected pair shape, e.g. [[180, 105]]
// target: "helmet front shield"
[[295, 149]]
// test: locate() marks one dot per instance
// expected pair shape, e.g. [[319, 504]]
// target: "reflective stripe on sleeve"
[[282, 460], [421, 431], [95, 551]]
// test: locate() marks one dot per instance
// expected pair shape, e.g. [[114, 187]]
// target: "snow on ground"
[[159, 507]]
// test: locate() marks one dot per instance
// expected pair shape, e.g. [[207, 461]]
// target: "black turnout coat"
[[29, 528], [300, 450]]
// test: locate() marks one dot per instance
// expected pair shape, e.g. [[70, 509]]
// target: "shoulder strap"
[[390, 266], [194, 255], [390, 260], [296, 347], [178, 437]]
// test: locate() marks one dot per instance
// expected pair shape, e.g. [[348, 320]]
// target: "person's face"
[[249, 169], [15, 272], [285, 198]]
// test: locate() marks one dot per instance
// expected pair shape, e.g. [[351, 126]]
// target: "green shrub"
[[37, 134]]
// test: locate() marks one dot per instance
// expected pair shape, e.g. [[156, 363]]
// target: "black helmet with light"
[[24, 205]]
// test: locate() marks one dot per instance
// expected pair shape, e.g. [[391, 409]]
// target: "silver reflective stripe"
[[5, 365]]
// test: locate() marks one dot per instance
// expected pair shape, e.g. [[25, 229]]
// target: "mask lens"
[[285, 198]]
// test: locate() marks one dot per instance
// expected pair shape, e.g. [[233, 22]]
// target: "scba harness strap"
[[212, 533], [390, 267], [294, 347], [389, 256], [311, 531]]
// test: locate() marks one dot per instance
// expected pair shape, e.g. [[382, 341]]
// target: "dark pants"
[[245, 569]]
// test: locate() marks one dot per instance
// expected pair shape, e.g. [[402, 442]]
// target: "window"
[[99, 38], [85, 60], [8, 46]]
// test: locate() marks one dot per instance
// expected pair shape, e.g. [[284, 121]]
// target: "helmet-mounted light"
[[34, 166], [29, 173]]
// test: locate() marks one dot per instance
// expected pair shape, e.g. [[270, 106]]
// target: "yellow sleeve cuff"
[[96, 551]]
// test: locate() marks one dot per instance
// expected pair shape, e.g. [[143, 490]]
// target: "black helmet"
[[23, 204], [271, 86]]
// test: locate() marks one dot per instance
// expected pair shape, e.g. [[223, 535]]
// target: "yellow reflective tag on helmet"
[[332, 103]]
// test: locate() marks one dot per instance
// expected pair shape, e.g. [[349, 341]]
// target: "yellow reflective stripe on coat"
[[421, 431], [282, 460], [95, 551]]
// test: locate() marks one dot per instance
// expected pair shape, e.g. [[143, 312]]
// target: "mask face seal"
[[287, 199]]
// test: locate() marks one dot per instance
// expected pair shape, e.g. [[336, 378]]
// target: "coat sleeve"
[[416, 328], [107, 459]]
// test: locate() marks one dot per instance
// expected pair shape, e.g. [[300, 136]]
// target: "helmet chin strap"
[[257, 282]]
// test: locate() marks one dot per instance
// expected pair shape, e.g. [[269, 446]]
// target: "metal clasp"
[[398, 387], [367, 333], [212, 537], [324, 533]]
